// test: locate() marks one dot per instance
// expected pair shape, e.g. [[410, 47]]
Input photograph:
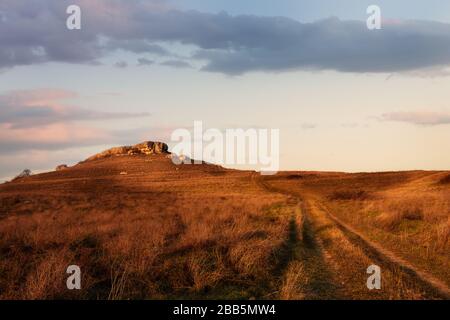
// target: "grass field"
[[140, 227]]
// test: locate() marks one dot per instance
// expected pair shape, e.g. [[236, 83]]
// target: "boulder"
[[150, 147]]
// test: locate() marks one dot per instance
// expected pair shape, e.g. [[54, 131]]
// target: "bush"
[[25, 173]]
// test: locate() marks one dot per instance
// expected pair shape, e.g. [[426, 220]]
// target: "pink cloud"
[[50, 98], [41, 107], [57, 133], [41, 119], [38, 96]]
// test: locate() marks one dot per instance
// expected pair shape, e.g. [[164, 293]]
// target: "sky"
[[344, 97]]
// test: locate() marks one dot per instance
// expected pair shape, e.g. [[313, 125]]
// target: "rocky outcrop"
[[61, 167], [146, 148], [150, 147]]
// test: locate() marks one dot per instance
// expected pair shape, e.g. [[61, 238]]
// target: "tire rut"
[[302, 246], [394, 262], [433, 286]]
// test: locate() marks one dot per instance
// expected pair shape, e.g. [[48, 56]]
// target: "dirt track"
[[426, 284]]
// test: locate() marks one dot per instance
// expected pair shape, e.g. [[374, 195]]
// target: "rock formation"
[[146, 148], [61, 167]]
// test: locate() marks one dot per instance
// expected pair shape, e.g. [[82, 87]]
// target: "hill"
[[141, 227]]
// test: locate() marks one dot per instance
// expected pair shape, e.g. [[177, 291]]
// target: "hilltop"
[[144, 148]]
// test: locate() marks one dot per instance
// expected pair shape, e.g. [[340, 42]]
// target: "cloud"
[[49, 137], [418, 118], [137, 46], [121, 64], [42, 120], [35, 32], [41, 107], [144, 62], [61, 136], [333, 44], [176, 64]]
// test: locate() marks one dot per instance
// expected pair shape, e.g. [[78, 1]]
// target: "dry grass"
[[421, 218], [139, 251], [294, 282], [202, 232], [445, 180], [410, 215], [407, 213], [198, 236]]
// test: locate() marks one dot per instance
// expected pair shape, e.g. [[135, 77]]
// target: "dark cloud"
[[145, 62], [34, 32], [176, 64], [137, 46], [419, 118]]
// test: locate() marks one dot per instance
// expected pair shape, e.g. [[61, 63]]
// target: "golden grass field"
[[162, 231]]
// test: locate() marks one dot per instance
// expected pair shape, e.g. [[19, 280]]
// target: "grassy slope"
[[161, 231]]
